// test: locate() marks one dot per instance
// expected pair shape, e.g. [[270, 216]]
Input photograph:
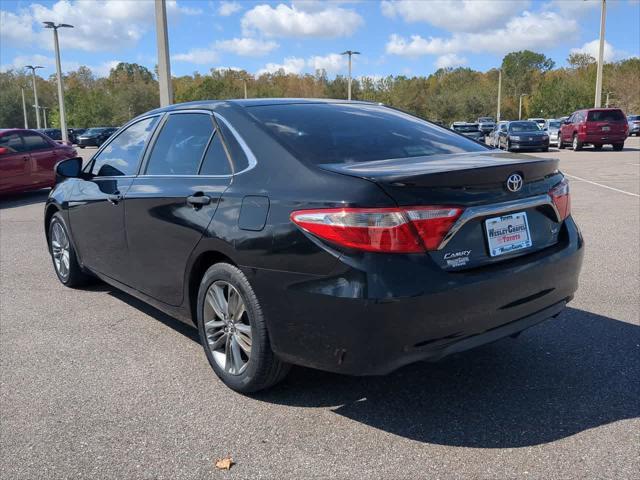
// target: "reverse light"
[[562, 198], [392, 230]]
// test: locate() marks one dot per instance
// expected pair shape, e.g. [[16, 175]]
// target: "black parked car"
[[523, 135], [486, 125], [52, 133], [74, 133], [471, 130], [344, 236], [94, 137]]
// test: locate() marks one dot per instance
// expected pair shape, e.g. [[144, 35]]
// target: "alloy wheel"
[[227, 327], [60, 250]]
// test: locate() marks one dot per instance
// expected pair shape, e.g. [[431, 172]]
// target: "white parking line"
[[601, 185]]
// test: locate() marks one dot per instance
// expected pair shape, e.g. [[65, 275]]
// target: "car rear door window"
[[238, 155], [122, 155], [12, 142], [34, 141], [180, 145], [216, 161]]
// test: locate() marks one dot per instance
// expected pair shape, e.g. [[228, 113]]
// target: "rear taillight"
[[393, 230], [561, 198]]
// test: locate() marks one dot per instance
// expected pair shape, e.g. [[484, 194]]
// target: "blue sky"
[[395, 36]]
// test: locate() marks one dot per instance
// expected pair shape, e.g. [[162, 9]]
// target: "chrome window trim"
[[251, 158], [497, 208]]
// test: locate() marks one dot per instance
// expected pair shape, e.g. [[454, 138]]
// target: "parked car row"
[[82, 137]]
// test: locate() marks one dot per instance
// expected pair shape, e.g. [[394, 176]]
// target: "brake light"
[[561, 198], [391, 230]]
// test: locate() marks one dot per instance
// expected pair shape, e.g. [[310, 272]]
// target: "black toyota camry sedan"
[[344, 236]]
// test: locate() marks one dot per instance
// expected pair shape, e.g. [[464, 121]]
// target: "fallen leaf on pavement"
[[224, 463]]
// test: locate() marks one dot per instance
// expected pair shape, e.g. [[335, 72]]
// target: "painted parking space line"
[[601, 185]]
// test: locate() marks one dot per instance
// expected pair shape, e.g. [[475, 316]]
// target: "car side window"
[[180, 145], [238, 156], [33, 141], [12, 142], [216, 161], [122, 155]]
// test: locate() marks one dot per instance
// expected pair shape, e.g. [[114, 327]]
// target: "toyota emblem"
[[514, 182]]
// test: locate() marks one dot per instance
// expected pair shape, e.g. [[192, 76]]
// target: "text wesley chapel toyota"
[[344, 236]]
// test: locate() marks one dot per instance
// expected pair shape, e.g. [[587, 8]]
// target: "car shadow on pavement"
[[560, 378], [24, 199]]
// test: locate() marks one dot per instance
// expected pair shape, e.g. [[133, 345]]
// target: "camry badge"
[[514, 182]]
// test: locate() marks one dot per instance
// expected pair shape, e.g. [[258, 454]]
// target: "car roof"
[[255, 102]]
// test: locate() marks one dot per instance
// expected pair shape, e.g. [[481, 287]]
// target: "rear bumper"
[[602, 139], [379, 313]]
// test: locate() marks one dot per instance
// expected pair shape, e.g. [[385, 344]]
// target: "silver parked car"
[[552, 127]]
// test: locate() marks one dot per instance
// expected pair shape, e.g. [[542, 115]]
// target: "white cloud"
[[228, 8], [312, 20], [107, 25], [332, 63], [453, 15], [249, 47], [527, 31], [103, 69], [610, 54], [573, 7], [199, 56], [450, 60], [290, 65]]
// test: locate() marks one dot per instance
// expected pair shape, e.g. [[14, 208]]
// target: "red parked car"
[[594, 126], [27, 160]]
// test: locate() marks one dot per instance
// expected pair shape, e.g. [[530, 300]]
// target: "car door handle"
[[197, 201], [114, 198]]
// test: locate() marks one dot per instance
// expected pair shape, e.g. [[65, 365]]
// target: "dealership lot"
[[96, 384]]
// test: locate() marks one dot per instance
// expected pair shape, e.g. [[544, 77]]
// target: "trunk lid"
[[478, 183]]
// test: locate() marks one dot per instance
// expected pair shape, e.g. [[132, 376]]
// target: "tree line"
[[447, 95]]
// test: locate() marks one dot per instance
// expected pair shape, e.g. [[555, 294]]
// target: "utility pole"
[[164, 66], [499, 93], [63, 119], [244, 83], [24, 109], [520, 106], [350, 53], [35, 91], [603, 17]]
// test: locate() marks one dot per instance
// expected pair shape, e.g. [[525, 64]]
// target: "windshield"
[[466, 128], [485, 119], [523, 127], [348, 133], [633, 118], [554, 124], [93, 131]]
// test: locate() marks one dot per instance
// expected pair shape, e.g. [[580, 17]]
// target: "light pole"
[[24, 109], [520, 105], [164, 67], [603, 17], [35, 90], [350, 53], [499, 93], [44, 115], [63, 120]]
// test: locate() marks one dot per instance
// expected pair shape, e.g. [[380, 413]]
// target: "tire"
[[545, 149], [560, 144], [508, 146], [225, 335], [63, 255], [597, 147], [618, 146], [576, 144], [81, 146]]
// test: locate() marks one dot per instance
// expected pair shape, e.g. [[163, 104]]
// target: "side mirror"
[[4, 150], [70, 168]]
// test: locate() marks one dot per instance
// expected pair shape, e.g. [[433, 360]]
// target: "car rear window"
[[605, 116], [466, 128], [350, 133]]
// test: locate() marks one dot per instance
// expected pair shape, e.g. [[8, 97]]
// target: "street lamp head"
[[54, 26], [31, 67], [350, 52]]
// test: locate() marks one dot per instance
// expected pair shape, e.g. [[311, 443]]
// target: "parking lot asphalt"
[[95, 384]]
